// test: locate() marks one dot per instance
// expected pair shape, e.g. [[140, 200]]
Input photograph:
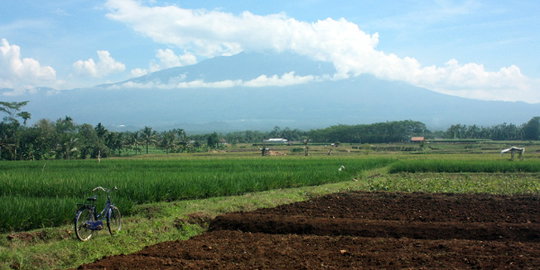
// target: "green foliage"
[[64, 139], [531, 130], [496, 183], [297, 150], [396, 131], [25, 213], [59, 184], [173, 141], [251, 136], [248, 136], [286, 133], [453, 166], [11, 107], [148, 137], [498, 132], [212, 140]]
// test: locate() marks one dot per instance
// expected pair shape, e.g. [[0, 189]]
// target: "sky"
[[481, 49]]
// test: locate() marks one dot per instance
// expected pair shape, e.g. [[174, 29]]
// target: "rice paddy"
[[456, 166], [36, 194], [45, 193]]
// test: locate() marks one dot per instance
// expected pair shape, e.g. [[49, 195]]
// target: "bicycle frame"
[[88, 220], [103, 214]]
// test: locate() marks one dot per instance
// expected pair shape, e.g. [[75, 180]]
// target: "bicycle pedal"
[[94, 225]]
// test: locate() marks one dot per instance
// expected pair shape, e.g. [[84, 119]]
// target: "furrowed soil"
[[360, 230]]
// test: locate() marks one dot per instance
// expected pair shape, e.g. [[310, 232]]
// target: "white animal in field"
[[513, 150]]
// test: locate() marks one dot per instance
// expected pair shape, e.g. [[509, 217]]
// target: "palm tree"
[[148, 137], [168, 141], [67, 147], [11, 107], [182, 138], [25, 116]]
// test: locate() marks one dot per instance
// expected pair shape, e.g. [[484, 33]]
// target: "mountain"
[[243, 66], [358, 100]]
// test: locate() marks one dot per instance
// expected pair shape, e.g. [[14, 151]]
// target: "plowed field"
[[360, 230]]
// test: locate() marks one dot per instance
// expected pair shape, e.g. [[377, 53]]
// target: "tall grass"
[[454, 166], [45, 193], [24, 213]]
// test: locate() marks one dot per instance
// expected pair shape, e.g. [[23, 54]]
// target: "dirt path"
[[360, 230]]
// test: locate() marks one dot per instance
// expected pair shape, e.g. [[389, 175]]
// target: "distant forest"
[[64, 139]]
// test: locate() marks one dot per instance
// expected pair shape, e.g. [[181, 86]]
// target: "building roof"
[[277, 140]]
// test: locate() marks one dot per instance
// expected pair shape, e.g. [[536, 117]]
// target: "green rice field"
[[36, 194], [158, 192], [464, 182], [45, 193], [456, 166]]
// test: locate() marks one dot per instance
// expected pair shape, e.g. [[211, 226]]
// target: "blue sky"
[[477, 49]]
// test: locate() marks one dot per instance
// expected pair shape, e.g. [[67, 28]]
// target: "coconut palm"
[[148, 136]]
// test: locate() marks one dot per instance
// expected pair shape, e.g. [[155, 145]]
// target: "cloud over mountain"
[[105, 65], [351, 50], [167, 58], [285, 79], [22, 73], [229, 93]]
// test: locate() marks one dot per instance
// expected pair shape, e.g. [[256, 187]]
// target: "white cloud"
[[275, 80], [137, 72], [22, 73], [343, 43], [167, 58], [261, 81], [105, 65]]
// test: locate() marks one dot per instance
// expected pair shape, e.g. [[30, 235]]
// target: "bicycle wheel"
[[82, 217], [114, 220]]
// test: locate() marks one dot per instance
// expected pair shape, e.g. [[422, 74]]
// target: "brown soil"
[[360, 230]]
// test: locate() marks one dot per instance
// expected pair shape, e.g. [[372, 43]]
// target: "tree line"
[[64, 139], [527, 131]]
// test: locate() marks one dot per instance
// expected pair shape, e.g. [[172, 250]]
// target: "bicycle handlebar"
[[100, 188], [104, 189]]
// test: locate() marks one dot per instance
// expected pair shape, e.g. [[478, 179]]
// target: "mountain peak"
[[246, 105], [243, 66]]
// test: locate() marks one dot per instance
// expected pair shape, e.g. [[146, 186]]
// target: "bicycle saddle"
[[93, 198]]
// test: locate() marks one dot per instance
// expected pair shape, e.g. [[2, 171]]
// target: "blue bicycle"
[[88, 221]]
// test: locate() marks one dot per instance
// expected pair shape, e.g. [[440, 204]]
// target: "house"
[[417, 139], [276, 141]]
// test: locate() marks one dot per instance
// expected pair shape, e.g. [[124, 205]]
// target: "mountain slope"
[[363, 99], [243, 66]]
